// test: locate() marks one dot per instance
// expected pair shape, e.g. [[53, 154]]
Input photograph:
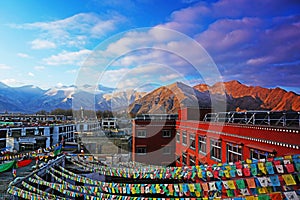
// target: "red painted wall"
[[279, 140], [154, 141]]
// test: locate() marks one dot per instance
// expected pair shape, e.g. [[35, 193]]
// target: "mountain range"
[[165, 99], [232, 96], [31, 99]]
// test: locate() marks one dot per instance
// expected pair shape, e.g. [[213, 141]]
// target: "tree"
[[42, 112]]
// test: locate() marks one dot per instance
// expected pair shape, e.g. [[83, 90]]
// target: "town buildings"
[[32, 138], [153, 139], [22, 132], [202, 139], [109, 123]]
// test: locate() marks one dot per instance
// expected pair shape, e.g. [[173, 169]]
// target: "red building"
[[200, 142], [153, 139], [190, 140]]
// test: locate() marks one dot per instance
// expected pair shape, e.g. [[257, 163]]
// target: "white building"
[[30, 138]]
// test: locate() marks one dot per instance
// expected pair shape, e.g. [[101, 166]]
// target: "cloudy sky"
[[137, 43]]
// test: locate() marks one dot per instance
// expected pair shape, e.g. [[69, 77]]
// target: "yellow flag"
[[262, 168], [200, 173], [180, 188], [133, 190], [262, 190], [231, 184], [198, 194], [157, 187], [227, 167], [288, 157], [226, 172], [249, 197], [191, 187], [289, 179]]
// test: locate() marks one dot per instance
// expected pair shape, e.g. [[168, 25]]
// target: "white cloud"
[[73, 71], [42, 44], [30, 74], [3, 66], [169, 77], [260, 61], [138, 77], [39, 68], [68, 58], [12, 82], [72, 31], [23, 55], [148, 56], [59, 85]]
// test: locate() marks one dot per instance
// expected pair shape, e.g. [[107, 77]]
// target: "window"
[[192, 141], [166, 149], [184, 140], [183, 158], [178, 137], [202, 144], [192, 160], [177, 158], [166, 133], [258, 154], [215, 150], [141, 133], [15, 133], [234, 152], [141, 150], [2, 143]]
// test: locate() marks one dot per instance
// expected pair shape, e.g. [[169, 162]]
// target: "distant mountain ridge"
[[166, 99], [260, 98], [239, 97], [31, 99]]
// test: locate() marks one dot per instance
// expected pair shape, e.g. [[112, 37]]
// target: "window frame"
[[140, 131], [192, 160], [260, 153], [192, 135], [178, 136], [164, 148], [232, 151], [166, 131], [202, 141], [216, 150], [141, 153], [184, 138], [177, 158], [184, 158]]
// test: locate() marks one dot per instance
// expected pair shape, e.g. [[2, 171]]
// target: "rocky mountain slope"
[[168, 99], [243, 97]]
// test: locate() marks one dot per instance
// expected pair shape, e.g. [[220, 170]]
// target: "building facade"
[[88, 126], [31, 138], [153, 139], [109, 123], [200, 142], [190, 140]]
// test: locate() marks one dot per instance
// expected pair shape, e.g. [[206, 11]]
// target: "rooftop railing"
[[269, 118]]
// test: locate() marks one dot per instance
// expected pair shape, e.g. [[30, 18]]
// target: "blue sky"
[[52, 42]]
